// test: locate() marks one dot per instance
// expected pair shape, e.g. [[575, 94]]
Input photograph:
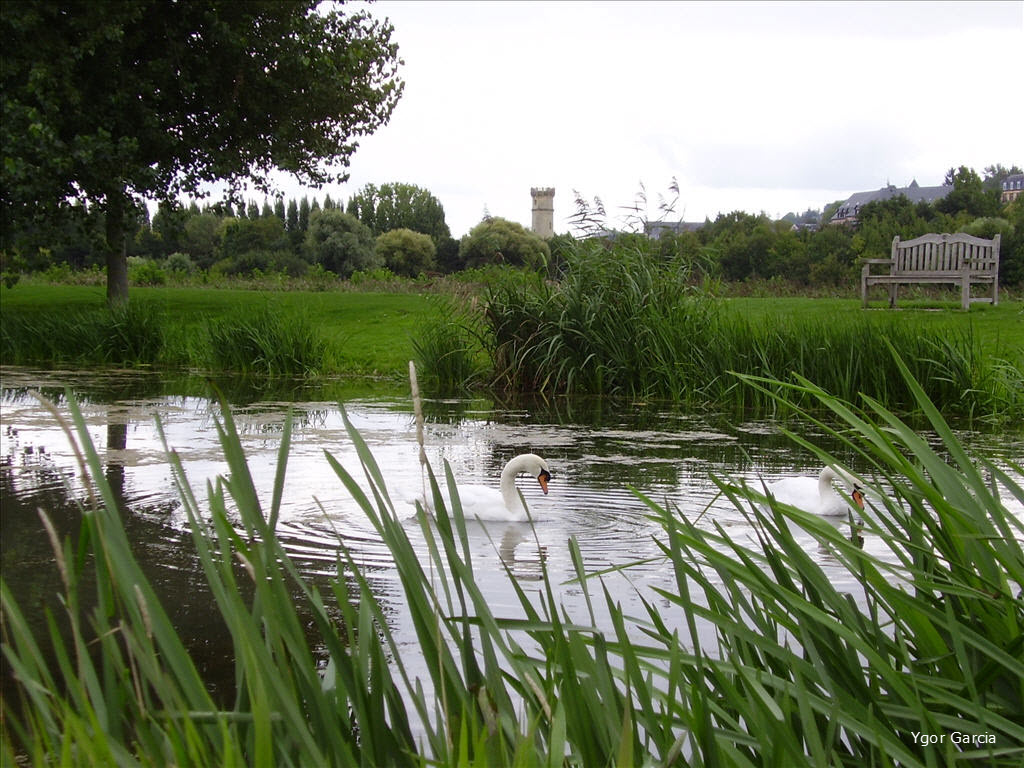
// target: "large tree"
[[968, 194], [500, 241], [340, 243], [400, 206], [107, 102]]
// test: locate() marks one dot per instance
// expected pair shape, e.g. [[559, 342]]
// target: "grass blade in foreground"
[[755, 657]]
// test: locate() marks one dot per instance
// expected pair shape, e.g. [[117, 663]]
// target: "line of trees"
[[395, 226], [401, 227], [741, 246], [109, 104]]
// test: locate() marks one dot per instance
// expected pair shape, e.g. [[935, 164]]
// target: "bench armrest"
[[866, 269]]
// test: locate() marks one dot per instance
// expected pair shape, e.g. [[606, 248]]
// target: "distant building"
[[655, 229], [543, 211], [1012, 187], [848, 211], [805, 226]]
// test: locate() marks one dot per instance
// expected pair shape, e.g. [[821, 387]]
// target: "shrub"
[[145, 272], [405, 252], [180, 263], [12, 264], [499, 241], [57, 273], [378, 275], [340, 243], [320, 279]]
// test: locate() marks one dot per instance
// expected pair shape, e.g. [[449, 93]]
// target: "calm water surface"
[[597, 451]]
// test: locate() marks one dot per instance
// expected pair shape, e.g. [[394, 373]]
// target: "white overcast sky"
[[762, 106]]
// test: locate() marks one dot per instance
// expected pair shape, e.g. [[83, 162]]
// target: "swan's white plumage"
[[816, 494], [502, 503]]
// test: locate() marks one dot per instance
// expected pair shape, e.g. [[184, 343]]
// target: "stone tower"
[[543, 211]]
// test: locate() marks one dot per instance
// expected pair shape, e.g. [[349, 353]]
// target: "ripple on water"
[[594, 467]]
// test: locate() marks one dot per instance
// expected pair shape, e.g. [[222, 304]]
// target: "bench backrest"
[[945, 253]]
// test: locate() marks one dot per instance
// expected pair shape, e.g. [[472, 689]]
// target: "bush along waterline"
[[127, 334], [250, 341], [262, 342], [621, 321], [774, 664], [449, 349]]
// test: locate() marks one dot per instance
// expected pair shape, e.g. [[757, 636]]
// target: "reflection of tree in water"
[[30, 482], [108, 387], [117, 440]]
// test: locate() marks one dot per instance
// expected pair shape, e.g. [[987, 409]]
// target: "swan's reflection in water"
[[521, 553]]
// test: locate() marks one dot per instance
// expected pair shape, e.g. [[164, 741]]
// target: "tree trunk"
[[117, 258]]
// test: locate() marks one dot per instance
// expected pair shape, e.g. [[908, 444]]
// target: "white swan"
[[816, 495], [502, 503]]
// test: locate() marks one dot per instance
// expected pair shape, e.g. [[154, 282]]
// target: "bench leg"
[[892, 295]]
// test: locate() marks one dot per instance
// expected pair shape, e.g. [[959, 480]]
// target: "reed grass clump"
[[448, 349], [622, 321], [753, 657], [850, 358], [126, 334], [251, 341], [265, 343], [619, 322]]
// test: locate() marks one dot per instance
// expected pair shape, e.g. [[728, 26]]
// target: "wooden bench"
[[958, 259]]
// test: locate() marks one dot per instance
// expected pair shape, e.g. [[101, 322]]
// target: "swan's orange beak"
[[543, 478], [858, 496]]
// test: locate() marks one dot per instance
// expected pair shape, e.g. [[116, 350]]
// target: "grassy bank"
[[774, 665], [638, 333], [999, 329], [621, 322], [360, 333]]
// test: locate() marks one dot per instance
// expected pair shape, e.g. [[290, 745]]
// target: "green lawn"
[[372, 332], [1000, 328]]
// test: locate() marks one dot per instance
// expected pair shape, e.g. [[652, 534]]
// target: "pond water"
[[598, 451]]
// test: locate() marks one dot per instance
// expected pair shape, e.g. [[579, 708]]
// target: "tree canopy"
[[400, 206], [405, 252], [108, 103], [499, 241], [340, 243], [968, 194]]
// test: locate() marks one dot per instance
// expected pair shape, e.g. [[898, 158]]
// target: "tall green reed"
[[619, 321], [251, 342], [756, 656], [849, 358], [266, 343], [622, 321], [130, 333], [448, 349]]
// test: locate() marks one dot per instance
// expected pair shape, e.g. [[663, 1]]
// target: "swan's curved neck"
[[825, 482], [827, 477], [508, 482]]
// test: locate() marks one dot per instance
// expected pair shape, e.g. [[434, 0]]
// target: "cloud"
[[750, 106], [852, 156]]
